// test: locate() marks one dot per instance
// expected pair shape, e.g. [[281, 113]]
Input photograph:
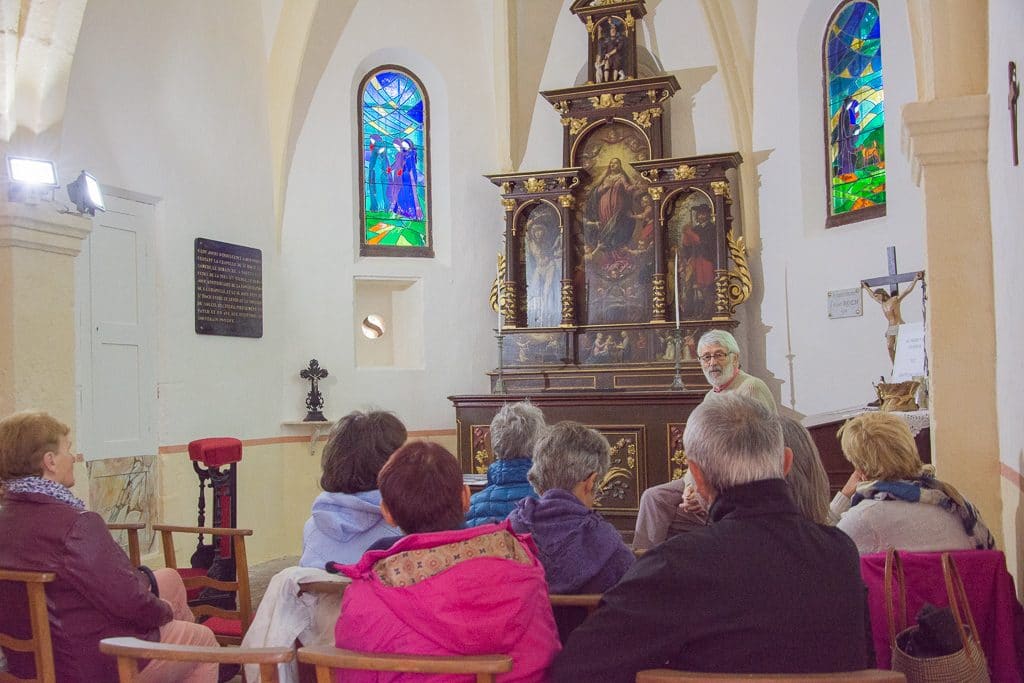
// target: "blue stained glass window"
[[855, 112], [394, 164]]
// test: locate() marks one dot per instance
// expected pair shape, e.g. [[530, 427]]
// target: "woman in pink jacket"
[[443, 589]]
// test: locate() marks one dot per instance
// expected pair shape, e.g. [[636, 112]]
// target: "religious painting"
[[612, 53], [691, 237], [614, 246], [537, 348], [854, 113], [125, 490], [621, 486], [541, 240], [394, 165], [614, 346], [664, 345]]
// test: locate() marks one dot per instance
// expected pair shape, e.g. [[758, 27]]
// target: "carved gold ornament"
[[679, 464], [566, 200], [481, 459], [622, 470], [506, 187], [511, 301], [562, 106], [650, 175], [590, 25], [535, 185], [643, 118], [568, 305], [658, 296], [655, 192], [736, 283], [721, 187], [630, 21], [509, 204], [502, 268], [607, 101], [684, 172], [575, 125]]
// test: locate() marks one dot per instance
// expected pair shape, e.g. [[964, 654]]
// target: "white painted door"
[[117, 318]]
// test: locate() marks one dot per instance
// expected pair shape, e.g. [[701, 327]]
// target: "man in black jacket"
[[762, 589]]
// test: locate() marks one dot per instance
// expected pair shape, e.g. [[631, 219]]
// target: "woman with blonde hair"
[[893, 499]]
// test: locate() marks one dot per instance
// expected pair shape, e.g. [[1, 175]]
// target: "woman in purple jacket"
[[97, 593]]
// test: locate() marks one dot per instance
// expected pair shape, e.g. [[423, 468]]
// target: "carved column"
[[566, 203], [720, 188], [509, 287], [658, 280]]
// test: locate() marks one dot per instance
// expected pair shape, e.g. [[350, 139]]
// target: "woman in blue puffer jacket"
[[513, 432]]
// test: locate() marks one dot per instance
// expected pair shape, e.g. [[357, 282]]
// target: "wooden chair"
[[865, 676], [590, 601], [228, 625], [132, 529], [485, 667], [39, 644], [129, 650]]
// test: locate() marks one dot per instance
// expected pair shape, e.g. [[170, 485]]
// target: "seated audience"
[[808, 483], [893, 499], [97, 593], [513, 432], [581, 551], [762, 589], [444, 589], [346, 517]]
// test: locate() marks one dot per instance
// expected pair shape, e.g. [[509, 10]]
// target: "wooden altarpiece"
[[595, 253]]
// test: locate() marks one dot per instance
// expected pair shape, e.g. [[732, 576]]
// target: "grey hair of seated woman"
[[807, 479], [566, 454], [514, 430]]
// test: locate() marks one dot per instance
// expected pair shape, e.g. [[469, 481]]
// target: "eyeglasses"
[[717, 355]]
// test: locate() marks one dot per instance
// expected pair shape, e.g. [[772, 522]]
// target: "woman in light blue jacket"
[[346, 517]]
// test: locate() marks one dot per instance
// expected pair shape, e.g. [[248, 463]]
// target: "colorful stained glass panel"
[[394, 161], [855, 109]]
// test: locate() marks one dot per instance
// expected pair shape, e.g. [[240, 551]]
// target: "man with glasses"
[[676, 504]]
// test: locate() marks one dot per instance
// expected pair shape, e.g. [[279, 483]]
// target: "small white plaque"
[[845, 303], [909, 353]]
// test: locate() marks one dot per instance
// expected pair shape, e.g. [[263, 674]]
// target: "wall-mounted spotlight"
[[85, 194], [30, 179]]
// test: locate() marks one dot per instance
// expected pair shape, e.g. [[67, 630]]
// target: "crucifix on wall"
[[1012, 104], [891, 299]]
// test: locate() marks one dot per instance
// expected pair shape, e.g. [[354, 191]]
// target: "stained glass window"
[[394, 164], [855, 111]]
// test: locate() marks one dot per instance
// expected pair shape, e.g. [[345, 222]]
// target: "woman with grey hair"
[[513, 432], [581, 552], [807, 480]]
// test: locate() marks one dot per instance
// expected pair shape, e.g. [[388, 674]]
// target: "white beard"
[[718, 378]]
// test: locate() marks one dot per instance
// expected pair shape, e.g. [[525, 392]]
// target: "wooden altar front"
[[644, 428]]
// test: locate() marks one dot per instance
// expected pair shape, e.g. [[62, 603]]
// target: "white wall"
[[320, 253], [833, 361], [1006, 21], [168, 99]]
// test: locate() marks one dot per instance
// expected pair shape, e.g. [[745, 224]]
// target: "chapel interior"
[[237, 121]]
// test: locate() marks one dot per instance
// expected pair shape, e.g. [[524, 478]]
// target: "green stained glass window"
[[394, 164], [854, 113]]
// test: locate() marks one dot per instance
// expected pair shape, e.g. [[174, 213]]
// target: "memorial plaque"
[[229, 289], [845, 303]]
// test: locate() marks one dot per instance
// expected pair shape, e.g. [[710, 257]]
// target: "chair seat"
[[224, 627]]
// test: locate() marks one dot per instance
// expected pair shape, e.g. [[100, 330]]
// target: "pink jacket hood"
[[481, 605]]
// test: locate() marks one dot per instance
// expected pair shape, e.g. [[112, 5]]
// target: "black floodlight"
[[85, 194]]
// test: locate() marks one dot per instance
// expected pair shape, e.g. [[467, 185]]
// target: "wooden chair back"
[[129, 650], [132, 529], [865, 676], [229, 626], [485, 667], [590, 601], [39, 644]]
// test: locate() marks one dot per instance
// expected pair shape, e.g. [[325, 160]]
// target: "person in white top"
[[893, 499]]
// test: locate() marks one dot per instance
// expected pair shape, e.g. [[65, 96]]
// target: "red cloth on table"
[[215, 452], [990, 591]]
